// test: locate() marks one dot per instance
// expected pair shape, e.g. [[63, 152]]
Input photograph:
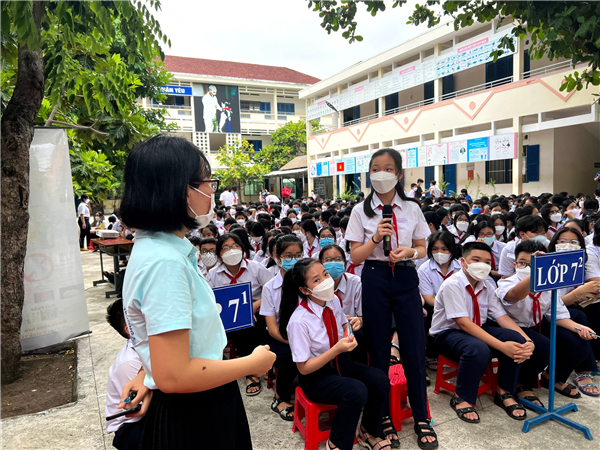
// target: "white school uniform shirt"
[[553, 230], [259, 257], [436, 191], [411, 193], [430, 278], [589, 239], [316, 248], [522, 311], [507, 258], [227, 198], [410, 222], [271, 297], [255, 273], [453, 301], [307, 333], [124, 369], [359, 268], [83, 209], [272, 198], [349, 294], [592, 265]]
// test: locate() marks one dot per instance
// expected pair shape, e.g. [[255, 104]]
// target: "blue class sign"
[[234, 302], [557, 270], [176, 90]]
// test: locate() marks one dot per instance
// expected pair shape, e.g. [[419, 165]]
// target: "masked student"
[[287, 251], [309, 236], [348, 291], [465, 307], [391, 285], [532, 312], [527, 228], [484, 232], [552, 216], [317, 329], [355, 269], [233, 268], [461, 223]]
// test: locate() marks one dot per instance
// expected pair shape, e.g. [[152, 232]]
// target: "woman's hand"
[[401, 254], [356, 323], [586, 333], [345, 345], [143, 394], [384, 228], [262, 360]]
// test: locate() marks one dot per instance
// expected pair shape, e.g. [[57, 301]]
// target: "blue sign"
[[234, 302], [176, 90], [477, 149], [557, 270]]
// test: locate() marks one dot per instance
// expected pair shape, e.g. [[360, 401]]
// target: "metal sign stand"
[[551, 413]]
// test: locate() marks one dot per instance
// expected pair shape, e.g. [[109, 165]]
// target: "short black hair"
[[224, 238], [157, 174], [116, 317], [207, 241], [194, 240], [529, 247], [310, 226], [470, 246], [85, 197], [448, 240], [530, 223]]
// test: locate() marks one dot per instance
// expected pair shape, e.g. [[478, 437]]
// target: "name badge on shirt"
[[402, 220]]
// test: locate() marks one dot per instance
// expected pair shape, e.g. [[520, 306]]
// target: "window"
[[428, 92], [256, 144], [288, 109], [531, 163], [265, 107], [499, 171], [172, 100], [391, 101], [248, 106], [499, 70], [253, 187]]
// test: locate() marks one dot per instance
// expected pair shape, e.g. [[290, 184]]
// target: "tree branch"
[[51, 116], [79, 127]]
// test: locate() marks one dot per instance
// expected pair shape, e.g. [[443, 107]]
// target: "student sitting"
[[348, 290], [484, 232], [288, 250], [232, 269], [316, 329], [129, 431], [208, 256], [355, 269], [327, 236], [527, 228], [308, 235], [463, 305], [461, 222]]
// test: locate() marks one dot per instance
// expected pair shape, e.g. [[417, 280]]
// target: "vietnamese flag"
[[340, 167]]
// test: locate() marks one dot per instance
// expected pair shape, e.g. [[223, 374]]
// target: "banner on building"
[[55, 308], [217, 108]]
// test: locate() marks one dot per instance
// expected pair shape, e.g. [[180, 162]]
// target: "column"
[[340, 116], [437, 83], [274, 108], [308, 128], [519, 60], [381, 100], [517, 168]]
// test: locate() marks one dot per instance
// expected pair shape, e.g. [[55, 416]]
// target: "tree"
[[86, 26], [241, 165], [560, 29], [92, 174], [289, 141]]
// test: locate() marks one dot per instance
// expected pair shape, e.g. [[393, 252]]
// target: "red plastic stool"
[[399, 394], [489, 378], [232, 353], [272, 377], [310, 411]]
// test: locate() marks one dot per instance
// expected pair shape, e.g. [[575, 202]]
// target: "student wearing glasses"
[[233, 268], [170, 311]]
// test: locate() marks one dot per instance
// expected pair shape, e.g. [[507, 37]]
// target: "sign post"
[[550, 272], [234, 303]]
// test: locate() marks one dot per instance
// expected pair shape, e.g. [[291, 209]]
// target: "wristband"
[[374, 241], [529, 340]]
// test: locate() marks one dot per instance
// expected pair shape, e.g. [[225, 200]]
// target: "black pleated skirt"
[[202, 420]]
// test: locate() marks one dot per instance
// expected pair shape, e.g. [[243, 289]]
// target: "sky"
[[278, 33]]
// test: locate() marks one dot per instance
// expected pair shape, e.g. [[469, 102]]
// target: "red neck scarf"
[[330, 325], [352, 267], [537, 311], [476, 313], [234, 280], [445, 277]]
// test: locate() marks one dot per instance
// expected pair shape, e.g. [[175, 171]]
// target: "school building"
[[217, 103], [456, 116]]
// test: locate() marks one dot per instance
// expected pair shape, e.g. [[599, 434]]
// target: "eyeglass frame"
[[232, 247], [337, 259], [214, 180]]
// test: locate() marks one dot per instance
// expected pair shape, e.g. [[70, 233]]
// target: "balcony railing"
[[479, 87], [546, 69], [360, 119], [402, 108]]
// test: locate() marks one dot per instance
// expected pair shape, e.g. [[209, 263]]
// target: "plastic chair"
[[489, 378], [399, 394], [310, 411]]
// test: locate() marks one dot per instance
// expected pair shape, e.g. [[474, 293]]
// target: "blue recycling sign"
[[557, 270]]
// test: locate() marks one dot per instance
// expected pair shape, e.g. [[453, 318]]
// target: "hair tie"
[[474, 222]]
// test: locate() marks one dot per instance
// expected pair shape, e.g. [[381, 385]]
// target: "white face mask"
[[383, 182], [576, 211], [566, 247], [232, 257], [242, 222], [523, 272], [256, 238], [209, 259], [301, 235], [204, 219], [324, 290], [441, 258], [556, 217], [500, 229], [462, 226], [478, 270], [495, 213]]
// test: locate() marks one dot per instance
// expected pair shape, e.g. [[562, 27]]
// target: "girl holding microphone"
[[391, 285]]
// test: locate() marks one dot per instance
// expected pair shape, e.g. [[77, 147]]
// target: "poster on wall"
[[421, 157], [218, 109], [457, 152], [478, 149], [362, 164], [437, 154], [503, 146], [412, 157], [54, 307]]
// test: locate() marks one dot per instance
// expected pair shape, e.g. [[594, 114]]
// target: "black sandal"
[[284, 412], [566, 391], [393, 358], [253, 385], [499, 400], [460, 412], [424, 430], [531, 398], [387, 427]]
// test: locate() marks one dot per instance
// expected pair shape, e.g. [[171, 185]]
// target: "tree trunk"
[[17, 128]]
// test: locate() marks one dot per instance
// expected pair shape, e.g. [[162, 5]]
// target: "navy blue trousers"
[[384, 296], [538, 361], [358, 387], [287, 370], [473, 356], [592, 313]]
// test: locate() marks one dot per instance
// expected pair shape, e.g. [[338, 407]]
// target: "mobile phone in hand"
[[124, 412]]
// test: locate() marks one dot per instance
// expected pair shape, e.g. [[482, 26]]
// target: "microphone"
[[387, 213]]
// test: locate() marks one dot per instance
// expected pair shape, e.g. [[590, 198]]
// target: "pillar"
[[517, 169], [437, 83], [381, 100], [274, 110], [519, 60]]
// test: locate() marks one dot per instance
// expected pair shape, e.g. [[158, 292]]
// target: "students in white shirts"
[[288, 251], [256, 232], [527, 228], [461, 222], [226, 197], [208, 256], [571, 209], [435, 191], [413, 191], [532, 313], [484, 232], [83, 219], [232, 269], [262, 253], [272, 198], [500, 225], [309, 237], [355, 269], [127, 366], [326, 236], [316, 331], [553, 218], [391, 285], [463, 305]]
